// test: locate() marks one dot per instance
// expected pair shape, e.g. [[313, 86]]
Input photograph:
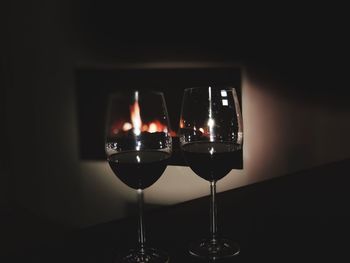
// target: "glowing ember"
[[182, 125], [153, 127], [115, 131], [127, 126]]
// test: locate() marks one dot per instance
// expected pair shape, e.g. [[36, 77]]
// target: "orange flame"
[[138, 126], [136, 117], [181, 125]]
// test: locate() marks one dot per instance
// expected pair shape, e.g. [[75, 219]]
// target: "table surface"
[[296, 217]]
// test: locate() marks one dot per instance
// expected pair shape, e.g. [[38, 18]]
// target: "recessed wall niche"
[[94, 84]]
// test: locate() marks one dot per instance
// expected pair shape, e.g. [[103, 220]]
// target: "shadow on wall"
[[292, 125]]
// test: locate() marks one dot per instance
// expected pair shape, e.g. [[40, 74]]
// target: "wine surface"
[[139, 169], [211, 160]]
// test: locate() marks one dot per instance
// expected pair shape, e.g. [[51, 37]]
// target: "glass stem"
[[213, 212], [142, 237]]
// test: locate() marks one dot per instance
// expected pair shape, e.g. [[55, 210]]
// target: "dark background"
[[295, 57], [297, 43], [45, 44]]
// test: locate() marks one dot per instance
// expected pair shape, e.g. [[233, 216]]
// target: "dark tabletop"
[[292, 218]]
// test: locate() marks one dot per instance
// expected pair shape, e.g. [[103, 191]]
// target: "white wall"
[[282, 133]]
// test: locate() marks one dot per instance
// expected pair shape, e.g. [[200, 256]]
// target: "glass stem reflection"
[[213, 212], [142, 237]]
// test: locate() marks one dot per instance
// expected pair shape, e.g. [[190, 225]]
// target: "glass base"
[[149, 255], [218, 249]]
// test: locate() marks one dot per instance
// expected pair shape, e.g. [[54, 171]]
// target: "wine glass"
[[211, 137], [138, 146]]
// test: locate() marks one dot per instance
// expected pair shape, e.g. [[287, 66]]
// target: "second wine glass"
[[211, 137]]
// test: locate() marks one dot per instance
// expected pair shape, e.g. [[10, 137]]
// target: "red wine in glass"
[[211, 160], [139, 169]]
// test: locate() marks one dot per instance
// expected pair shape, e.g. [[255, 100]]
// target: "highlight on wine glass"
[[138, 145], [211, 137]]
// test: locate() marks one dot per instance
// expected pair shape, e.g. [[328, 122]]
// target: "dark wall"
[[5, 193], [4, 164]]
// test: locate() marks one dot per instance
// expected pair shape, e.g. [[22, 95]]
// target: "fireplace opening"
[[94, 84]]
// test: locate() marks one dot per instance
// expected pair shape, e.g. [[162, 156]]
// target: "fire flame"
[[138, 126], [136, 118]]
